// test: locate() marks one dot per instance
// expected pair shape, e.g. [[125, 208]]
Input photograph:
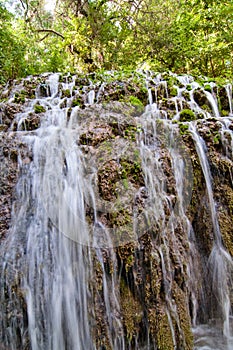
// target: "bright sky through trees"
[[50, 5]]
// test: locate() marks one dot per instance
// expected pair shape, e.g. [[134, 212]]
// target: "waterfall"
[[52, 244], [229, 95], [220, 263], [200, 146], [105, 249]]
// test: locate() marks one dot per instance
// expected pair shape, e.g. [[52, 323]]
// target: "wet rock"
[[9, 171], [223, 99], [30, 123], [153, 270], [8, 113], [108, 175], [200, 98], [96, 135], [43, 90]]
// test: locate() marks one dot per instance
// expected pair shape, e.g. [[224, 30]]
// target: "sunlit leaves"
[[85, 35]]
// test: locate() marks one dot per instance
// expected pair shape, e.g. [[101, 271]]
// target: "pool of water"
[[211, 338]]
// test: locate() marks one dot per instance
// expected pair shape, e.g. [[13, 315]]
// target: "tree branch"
[[44, 37], [50, 31]]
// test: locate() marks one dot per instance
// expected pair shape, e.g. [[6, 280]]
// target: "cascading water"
[[102, 251], [51, 242], [165, 139], [220, 263]]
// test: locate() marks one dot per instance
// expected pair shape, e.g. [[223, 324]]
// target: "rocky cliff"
[[161, 227]]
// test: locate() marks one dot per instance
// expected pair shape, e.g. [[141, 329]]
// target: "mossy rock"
[[162, 91], [77, 101], [66, 93], [185, 341], [39, 109], [31, 123], [20, 97], [200, 97], [3, 127], [224, 113], [167, 104], [132, 312], [96, 135], [44, 90], [187, 115], [184, 128], [225, 223], [164, 334], [206, 108], [186, 95], [223, 100], [108, 175], [136, 103], [172, 91], [132, 171], [207, 87], [81, 81]]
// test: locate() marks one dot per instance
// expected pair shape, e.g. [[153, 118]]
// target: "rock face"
[[154, 247]]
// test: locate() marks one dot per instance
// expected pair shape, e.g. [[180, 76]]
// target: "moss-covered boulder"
[[187, 115]]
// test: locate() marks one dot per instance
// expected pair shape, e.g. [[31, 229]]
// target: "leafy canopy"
[[186, 36]]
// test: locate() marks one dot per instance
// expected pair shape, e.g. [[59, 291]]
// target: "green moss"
[[183, 128], [143, 90], [135, 101], [130, 132], [125, 183], [185, 321], [132, 311], [206, 108], [216, 138], [39, 109], [171, 80], [207, 87], [131, 171], [224, 113], [187, 115], [164, 334], [77, 101], [66, 93], [173, 92], [20, 97]]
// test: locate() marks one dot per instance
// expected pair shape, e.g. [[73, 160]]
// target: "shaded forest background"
[[193, 36]]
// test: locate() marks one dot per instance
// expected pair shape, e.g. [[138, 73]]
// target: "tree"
[[12, 51], [83, 35]]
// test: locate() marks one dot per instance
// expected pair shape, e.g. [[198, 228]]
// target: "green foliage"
[[182, 36], [11, 48]]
